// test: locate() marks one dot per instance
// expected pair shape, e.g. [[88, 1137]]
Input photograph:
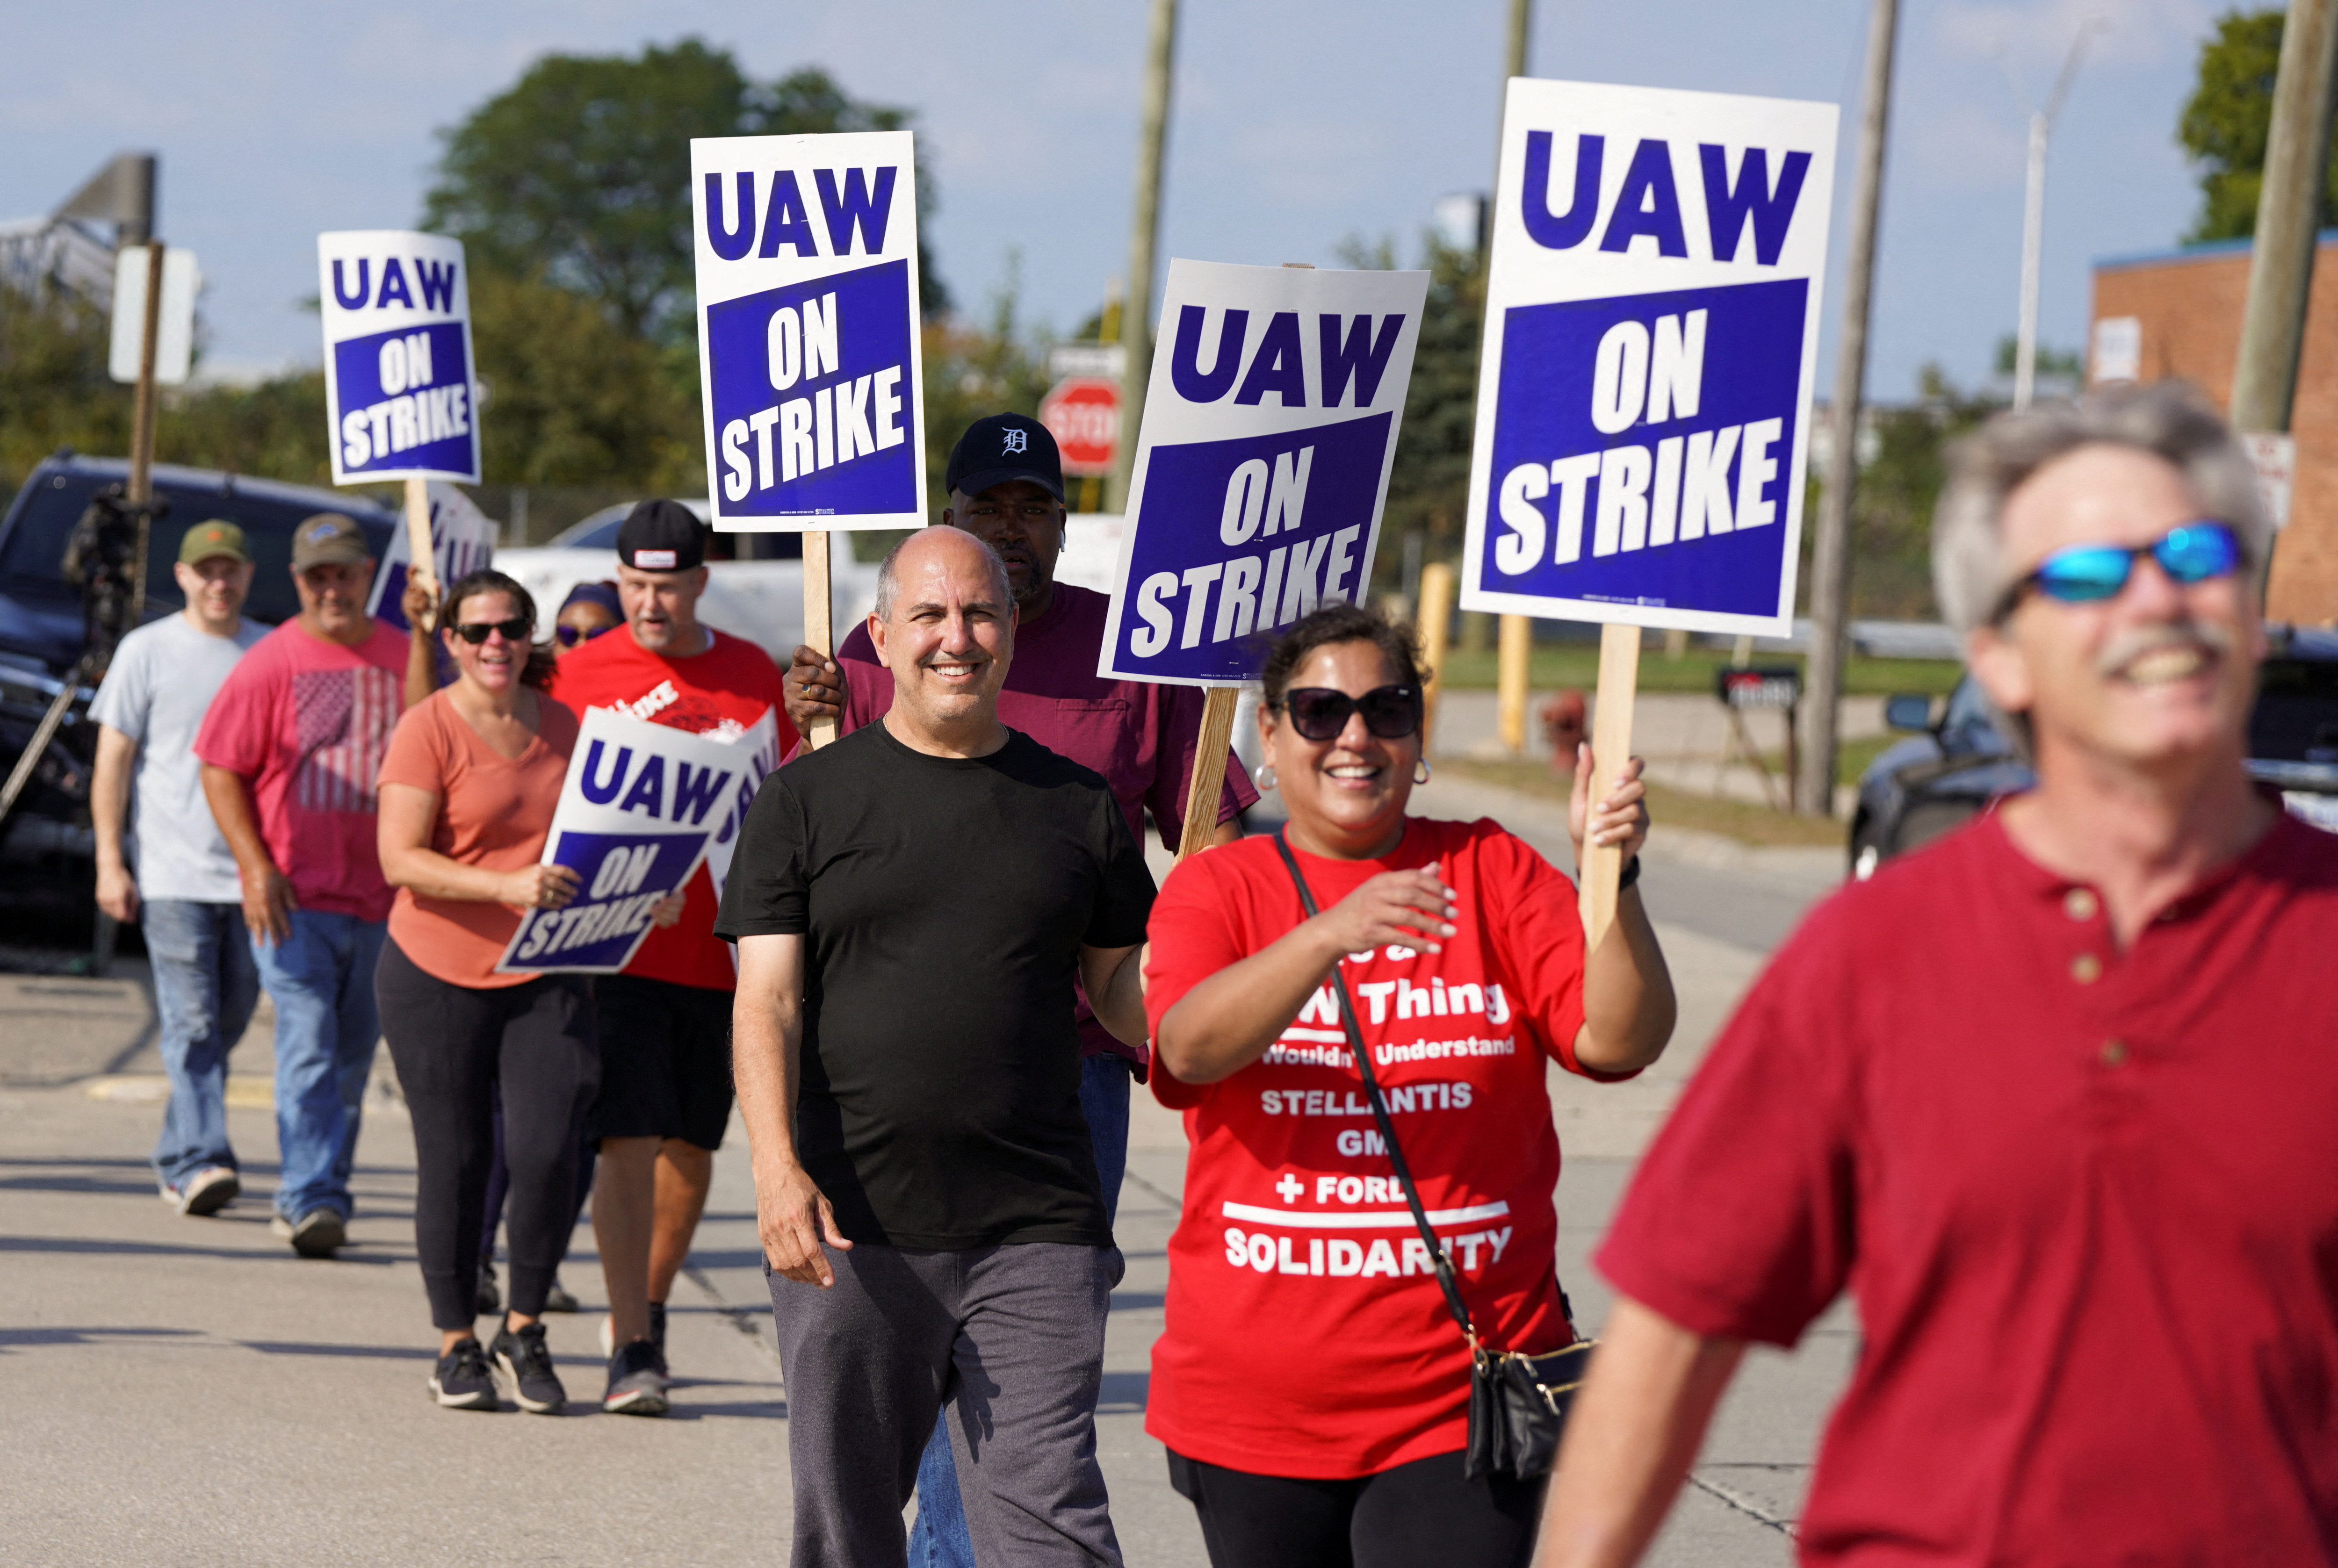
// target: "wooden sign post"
[[422, 559], [1209, 780], [1611, 748], [1436, 628], [819, 629]]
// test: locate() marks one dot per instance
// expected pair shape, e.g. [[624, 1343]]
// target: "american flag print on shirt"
[[341, 722]]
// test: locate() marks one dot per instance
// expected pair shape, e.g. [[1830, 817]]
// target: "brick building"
[[2177, 313]]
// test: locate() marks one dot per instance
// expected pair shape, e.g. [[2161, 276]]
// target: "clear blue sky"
[[1297, 124]]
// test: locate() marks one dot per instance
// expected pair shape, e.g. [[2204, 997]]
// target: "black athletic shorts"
[[666, 1061], [1420, 1512]]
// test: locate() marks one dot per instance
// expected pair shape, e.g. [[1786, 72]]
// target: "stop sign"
[[1082, 413]]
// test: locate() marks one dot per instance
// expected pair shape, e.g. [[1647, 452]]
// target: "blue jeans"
[[939, 1539], [205, 987], [321, 978]]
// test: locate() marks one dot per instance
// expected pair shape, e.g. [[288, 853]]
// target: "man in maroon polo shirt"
[[1005, 484], [2053, 1098]]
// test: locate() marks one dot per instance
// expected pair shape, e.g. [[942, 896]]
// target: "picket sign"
[[400, 402], [462, 540], [1651, 320], [809, 359], [641, 805], [1260, 469]]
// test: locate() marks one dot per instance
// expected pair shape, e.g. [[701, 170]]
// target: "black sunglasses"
[[1320, 712], [570, 636], [514, 629]]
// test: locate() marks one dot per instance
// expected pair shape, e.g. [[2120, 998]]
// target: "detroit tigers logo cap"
[[662, 537], [999, 447]]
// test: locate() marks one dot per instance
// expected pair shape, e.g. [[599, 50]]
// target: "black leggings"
[[1419, 1514], [453, 1045]]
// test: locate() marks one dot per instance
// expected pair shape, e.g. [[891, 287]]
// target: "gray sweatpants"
[[1011, 1336]]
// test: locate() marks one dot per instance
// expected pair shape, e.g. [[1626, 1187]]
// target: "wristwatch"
[[1631, 874]]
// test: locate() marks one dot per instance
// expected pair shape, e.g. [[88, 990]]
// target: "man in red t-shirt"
[[290, 747], [664, 1022], [2053, 1097]]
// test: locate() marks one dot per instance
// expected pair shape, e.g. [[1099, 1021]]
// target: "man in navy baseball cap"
[[1000, 449]]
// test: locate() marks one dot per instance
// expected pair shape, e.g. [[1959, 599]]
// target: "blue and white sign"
[[1652, 329], [808, 351], [399, 392], [1270, 426], [462, 541], [641, 807]]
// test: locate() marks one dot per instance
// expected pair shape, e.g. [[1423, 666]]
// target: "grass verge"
[[1740, 819]]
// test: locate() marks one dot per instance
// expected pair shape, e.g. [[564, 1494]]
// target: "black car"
[[1946, 773], [46, 846]]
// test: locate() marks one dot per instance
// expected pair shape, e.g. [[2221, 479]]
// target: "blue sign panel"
[[405, 401], [622, 877], [813, 396], [1655, 489]]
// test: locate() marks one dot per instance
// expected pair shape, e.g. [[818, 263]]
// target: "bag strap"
[[1444, 1265]]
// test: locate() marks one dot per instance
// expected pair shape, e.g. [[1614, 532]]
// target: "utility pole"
[[2033, 221], [1830, 559], [1144, 237], [1514, 648], [2289, 207]]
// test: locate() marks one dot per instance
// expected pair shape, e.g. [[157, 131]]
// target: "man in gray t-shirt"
[[152, 703]]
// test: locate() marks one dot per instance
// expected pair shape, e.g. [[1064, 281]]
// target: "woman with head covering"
[[1311, 1386], [590, 609]]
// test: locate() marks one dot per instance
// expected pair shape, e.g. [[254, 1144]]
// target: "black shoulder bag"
[[1517, 1403]]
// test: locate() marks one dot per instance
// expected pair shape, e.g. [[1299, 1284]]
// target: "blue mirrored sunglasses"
[[2089, 574]]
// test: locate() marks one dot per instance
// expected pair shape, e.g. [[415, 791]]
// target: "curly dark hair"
[[1338, 623], [537, 673]]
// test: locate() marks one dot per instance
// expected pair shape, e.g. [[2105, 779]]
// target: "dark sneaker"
[[558, 1299], [208, 1190], [319, 1233], [462, 1381], [490, 1299], [525, 1362], [637, 1381]]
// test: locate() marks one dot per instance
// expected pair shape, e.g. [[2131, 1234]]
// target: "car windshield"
[[31, 561], [2296, 716]]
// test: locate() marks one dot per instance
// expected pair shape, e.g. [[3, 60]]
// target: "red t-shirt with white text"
[[724, 692], [1306, 1335]]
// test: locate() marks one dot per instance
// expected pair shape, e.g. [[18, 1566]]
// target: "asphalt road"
[[187, 1391]]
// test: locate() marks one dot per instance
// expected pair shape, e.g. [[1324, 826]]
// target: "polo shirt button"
[[2113, 1052], [2085, 968], [2080, 904]]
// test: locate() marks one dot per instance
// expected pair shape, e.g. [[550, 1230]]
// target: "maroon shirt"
[[2087, 1202], [1139, 735]]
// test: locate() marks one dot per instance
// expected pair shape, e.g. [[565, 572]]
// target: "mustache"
[[2128, 646]]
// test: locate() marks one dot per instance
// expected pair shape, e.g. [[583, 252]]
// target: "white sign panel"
[[2274, 454], [174, 330], [1652, 327], [808, 351], [462, 541], [2118, 351], [1270, 426], [399, 398], [638, 810]]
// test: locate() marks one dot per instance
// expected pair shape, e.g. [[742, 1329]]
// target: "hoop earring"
[[1263, 776], [1422, 772]]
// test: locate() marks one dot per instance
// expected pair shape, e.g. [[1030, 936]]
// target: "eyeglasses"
[[2089, 573], [570, 636], [514, 629], [1320, 712]]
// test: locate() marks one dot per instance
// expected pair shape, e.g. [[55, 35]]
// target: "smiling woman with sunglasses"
[[1311, 1386], [467, 791]]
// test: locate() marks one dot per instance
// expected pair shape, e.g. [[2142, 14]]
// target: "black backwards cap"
[[1001, 448], [662, 537]]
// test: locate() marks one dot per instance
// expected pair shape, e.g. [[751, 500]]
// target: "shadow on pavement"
[[11, 1339]]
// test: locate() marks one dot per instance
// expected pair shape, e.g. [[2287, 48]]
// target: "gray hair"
[[888, 576], [2168, 419]]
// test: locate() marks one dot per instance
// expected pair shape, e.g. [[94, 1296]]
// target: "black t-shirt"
[[944, 901]]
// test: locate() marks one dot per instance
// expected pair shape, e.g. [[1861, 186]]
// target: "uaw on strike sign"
[[398, 393], [1651, 335], [1270, 425], [808, 355], [643, 804]]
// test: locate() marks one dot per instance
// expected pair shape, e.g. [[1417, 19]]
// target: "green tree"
[[1429, 486], [579, 172], [2227, 120]]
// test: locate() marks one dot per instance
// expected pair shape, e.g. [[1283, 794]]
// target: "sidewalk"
[[188, 1391]]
